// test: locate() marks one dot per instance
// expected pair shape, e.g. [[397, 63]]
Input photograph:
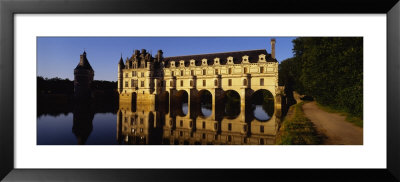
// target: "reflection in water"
[[260, 114], [144, 124], [185, 108]]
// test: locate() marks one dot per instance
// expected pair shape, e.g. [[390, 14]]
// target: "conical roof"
[[84, 62]]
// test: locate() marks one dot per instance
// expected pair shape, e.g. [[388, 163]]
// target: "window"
[[216, 137], [230, 82], [180, 133], [215, 82], [181, 72], [132, 83], [204, 136], [132, 121], [229, 138], [181, 123], [261, 141], [141, 120], [204, 83], [141, 130], [262, 81], [171, 83], [172, 73], [230, 70], [126, 84], [204, 124], [141, 83], [244, 140], [181, 64], [245, 82], [142, 74], [215, 126], [204, 72], [245, 70], [192, 72], [244, 128], [126, 74], [133, 73], [262, 129], [181, 83], [216, 71], [262, 69], [230, 127], [191, 83]]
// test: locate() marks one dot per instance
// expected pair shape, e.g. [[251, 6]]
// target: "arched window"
[[245, 82]]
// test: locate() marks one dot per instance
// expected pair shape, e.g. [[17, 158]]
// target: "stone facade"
[[143, 77]]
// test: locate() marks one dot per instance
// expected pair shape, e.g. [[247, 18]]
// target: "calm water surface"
[[133, 124]]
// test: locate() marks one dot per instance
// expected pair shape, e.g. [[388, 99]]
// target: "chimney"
[[273, 48]]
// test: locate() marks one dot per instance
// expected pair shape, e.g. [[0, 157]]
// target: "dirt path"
[[333, 126]]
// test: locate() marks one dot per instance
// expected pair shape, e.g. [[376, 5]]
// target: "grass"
[[349, 117], [296, 129]]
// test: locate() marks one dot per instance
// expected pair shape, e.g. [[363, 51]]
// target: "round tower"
[[83, 78]]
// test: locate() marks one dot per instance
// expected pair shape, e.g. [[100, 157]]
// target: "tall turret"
[[121, 66], [83, 78]]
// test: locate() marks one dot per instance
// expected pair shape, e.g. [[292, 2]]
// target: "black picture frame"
[[8, 8]]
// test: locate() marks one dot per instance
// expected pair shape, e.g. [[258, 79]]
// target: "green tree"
[[328, 68]]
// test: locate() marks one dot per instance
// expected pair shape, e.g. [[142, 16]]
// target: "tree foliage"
[[330, 69]]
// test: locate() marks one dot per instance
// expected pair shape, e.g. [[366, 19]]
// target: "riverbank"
[[297, 129]]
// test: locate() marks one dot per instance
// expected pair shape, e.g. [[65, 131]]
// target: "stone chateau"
[[145, 81], [144, 78]]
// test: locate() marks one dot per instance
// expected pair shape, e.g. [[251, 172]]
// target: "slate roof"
[[84, 63], [237, 57]]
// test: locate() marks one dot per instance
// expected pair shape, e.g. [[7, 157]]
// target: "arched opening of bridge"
[[262, 105], [181, 101], [205, 97], [231, 104]]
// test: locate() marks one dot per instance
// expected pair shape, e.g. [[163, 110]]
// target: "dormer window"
[[245, 59], [204, 61], [216, 61], [261, 58], [230, 60], [192, 62]]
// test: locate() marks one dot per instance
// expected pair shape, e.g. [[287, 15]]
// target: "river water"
[[150, 125]]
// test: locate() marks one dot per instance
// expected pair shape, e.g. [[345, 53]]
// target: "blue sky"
[[58, 56]]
